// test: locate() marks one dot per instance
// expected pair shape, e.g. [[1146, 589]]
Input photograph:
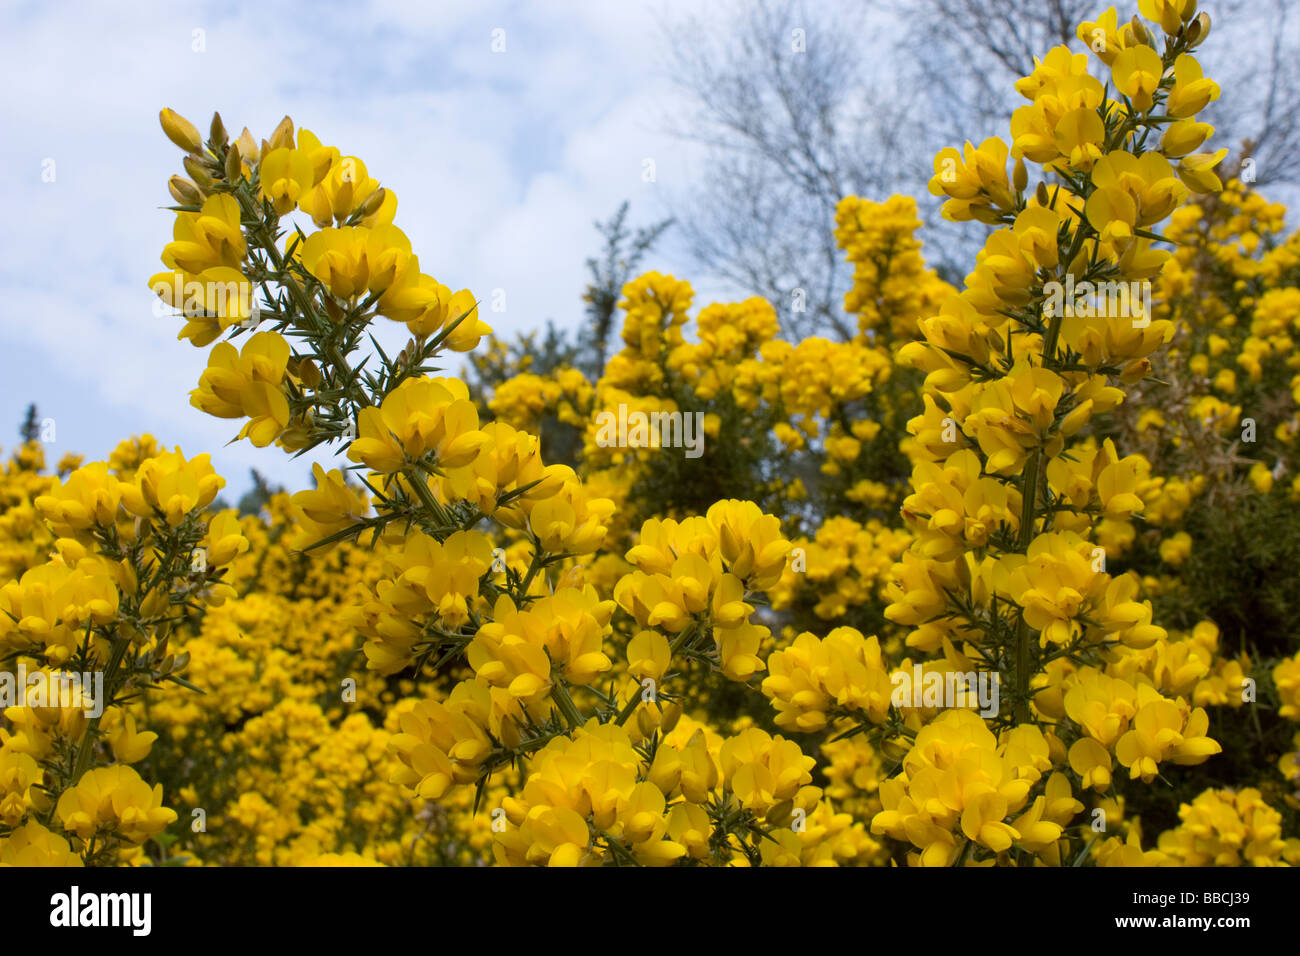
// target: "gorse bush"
[[1007, 578]]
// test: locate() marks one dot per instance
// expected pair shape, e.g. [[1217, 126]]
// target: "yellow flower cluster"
[[1227, 828], [960, 783], [966, 555]]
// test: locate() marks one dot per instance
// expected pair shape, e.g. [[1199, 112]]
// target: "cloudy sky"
[[501, 162], [501, 159]]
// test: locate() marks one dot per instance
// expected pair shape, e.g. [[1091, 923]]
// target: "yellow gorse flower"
[[114, 799], [490, 655]]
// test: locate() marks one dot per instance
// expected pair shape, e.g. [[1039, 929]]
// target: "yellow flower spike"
[[569, 520], [1131, 191], [1164, 730]]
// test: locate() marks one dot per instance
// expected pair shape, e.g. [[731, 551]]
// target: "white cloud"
[[501, 163]]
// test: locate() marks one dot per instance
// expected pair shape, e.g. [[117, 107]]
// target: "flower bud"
[[234, 164], [247, 146], [283, 135], [672, 714], [1041, 194], [1019, 175], [510, 735], [180, 131], [217, 133], [647, 720], [1198, 30], [184, 191], [308, 373], [372, 204], [781, 814], [1135, 371], [197, 173], [1184, 136], [1140, 31]]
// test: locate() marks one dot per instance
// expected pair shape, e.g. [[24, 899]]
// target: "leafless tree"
[[968, 53], [801, 104], [793, 122]]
